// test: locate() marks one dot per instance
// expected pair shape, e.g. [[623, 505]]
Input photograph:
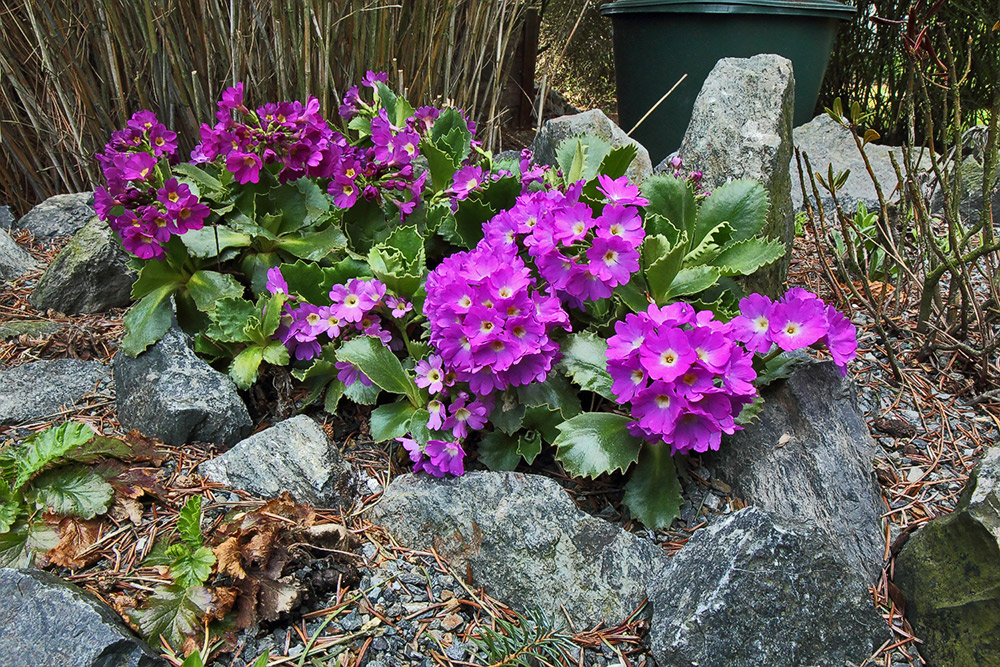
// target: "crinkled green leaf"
[[779, 368], [581, 157], [742, 203], [334, 391], [399, 261], [529, 445], [365, 223], [618, 160], [154, 276], [363, 394], [276, 354], [451, 134], [745, 257], [313, 246], [693, 279], [672, 198], [585, 361], [71, 490], [246, 366], [508, 413], [662, 261], [440, 164], [211, 240], [10, 506], [48, 448], [380, 365], [555, 393], [193, 173], [594, 443], [229, 319], [24, 541], [653, 493], [709, 246], [313, 282], [465, 227], [207, 288], [750, 411], [189, 523], [391, 421], [498, 451], [148, 320], [173, 612], [190, 567]]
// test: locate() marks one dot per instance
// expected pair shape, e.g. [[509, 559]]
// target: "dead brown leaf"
[[75, 537], [228, 557]]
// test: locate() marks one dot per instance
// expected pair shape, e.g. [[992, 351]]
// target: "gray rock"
[[39, 389], [62, 215], [826, 142], [741, 127], [31, 328], [6, 218], [47, 621], [751, 589], [524, 541], [168, 393], [970, 202], [13, 260], [949, 572], [810, 457], [295, 456], [592, 122], [88, 276]]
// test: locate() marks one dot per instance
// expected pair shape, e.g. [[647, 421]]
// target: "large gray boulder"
[[168, 393], [39, 389], [741, 127], [47, 621], [827, 142], [6, 218], [949, 572], [88, 276], [61, 215], [593, 122], [295, 456], [970, 193], [13, 260], [810, 458], [522, 539], [752, 589]]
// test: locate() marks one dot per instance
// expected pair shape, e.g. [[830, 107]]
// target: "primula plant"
[[477, 304]]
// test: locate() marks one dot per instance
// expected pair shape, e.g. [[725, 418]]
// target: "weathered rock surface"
[[595, 123], [47, 621], [31, 328], [295, 456], [168, 393], [970, 200], [809, 458], [741, 127], [13, 260], [40, 388], [827, 142], [752, 589], [88, 276], [61, 215], [949, 572], [6, 218], [524, 541]]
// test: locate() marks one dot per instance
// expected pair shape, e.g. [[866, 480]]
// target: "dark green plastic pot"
[[658, 41]]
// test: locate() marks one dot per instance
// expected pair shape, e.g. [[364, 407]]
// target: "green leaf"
[[465, 227], [440, 164], [573, 167], [742, 203], [391, 421], [594, 443], [229, 319], [246, 365], [529, 445], [20, 545], [73, 490], [47, 448], [508, 414], [313, 282], [10, 507], [671, 198], [581, 157], [750, 411], [544, 420], [276, 354], [334, 391], [190, 567], [585, 361], [173, 612], [203, 243], [662, 261], [198, 175], [555, 393], [418, 426], [653, 493], [154, 276], [193, 660], [314, 246], [208, 287], [779, 368], [148, 320], [189, 523], [618, 160], [709, 246], [745, 257], [498, 451], [399, 261], [363, 394], [380, 365], [692, 280], [364, 223], [450, 133]]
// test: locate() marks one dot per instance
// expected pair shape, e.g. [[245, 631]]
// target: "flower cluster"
[[487, 320], [683, 373], [583, 257], [354, 310], [799, 319], [139, 203], [437, 457]]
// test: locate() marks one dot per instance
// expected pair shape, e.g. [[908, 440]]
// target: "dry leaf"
[[783, 440], [76, 536], [227, 555]]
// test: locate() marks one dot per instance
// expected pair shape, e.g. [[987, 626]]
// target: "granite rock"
[[39, 389], [61, 215], [14, 261]]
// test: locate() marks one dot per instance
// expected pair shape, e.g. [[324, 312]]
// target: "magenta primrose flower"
[[429, 374]]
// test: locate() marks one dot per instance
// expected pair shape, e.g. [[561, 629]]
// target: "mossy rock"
[[31, 328]]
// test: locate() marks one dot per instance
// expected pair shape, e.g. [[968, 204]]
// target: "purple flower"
[[667, 354], [445, 457], [137, 166], [841, 339], [798, 320], [413, 448], [463, 416], [618, 191], [276, 282], [753, 325], [245, 167], [349, 374], [613, 260], [429, 374], [398, 306], [437, 412], [465, 181]]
